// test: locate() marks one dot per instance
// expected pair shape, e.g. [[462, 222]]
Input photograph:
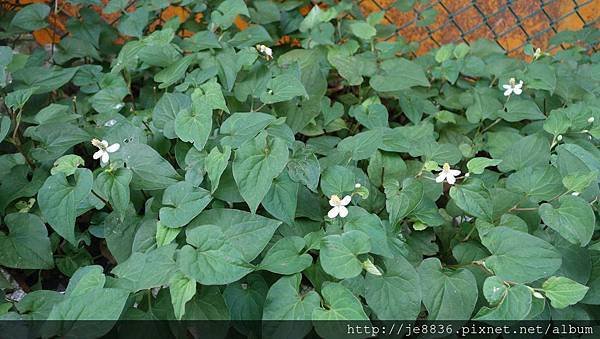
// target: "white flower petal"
[[346, 200], [104, 143], [455, 172], [113, 148], [105, 157], [517, 91], [451, 179], [334, 201], [98, 154], [343, 211], [333, 212], [506, 86], [441, 177], [508, 92]]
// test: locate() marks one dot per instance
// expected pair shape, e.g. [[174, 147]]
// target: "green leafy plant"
[[222, 175]]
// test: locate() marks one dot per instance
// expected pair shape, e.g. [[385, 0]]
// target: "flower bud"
[[538, 295], [559, 137], [590, 120], [419, 226], [370, 267]]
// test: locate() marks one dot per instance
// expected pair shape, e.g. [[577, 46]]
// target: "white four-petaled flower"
[[266, 51], [338, 206], [447, 174], [104, 149], [513, 87]]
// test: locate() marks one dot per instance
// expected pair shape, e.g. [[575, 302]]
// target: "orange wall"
[[509, 25], [491, 19]]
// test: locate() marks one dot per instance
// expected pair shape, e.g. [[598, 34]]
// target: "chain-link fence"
[[512, 24]]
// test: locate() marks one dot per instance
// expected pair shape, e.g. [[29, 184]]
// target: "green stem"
[[524, 209], [491, 125], [128, 80], [493, 81], [149, 294], [481, 264], [103, 200], [470, 233], [16, 138]]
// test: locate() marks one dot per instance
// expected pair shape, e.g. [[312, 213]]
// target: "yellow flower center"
[[98, 144], [336, 200]]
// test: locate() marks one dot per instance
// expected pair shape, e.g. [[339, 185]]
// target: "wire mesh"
[[511, 23]]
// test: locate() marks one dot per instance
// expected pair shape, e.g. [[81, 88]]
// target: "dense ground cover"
[[232, 174]]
